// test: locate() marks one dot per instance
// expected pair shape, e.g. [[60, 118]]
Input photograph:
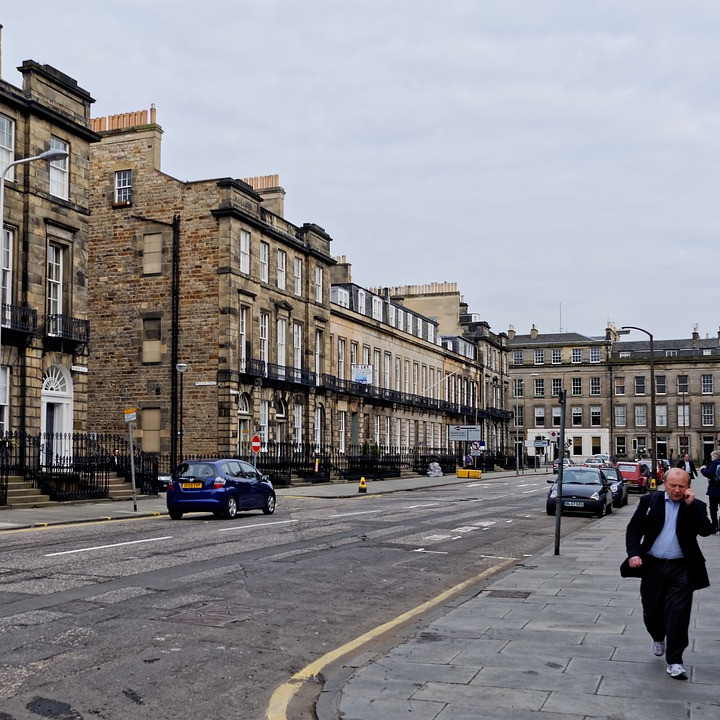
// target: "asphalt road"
[[150, 618]]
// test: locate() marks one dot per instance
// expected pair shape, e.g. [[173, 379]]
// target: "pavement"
[[549, 637]]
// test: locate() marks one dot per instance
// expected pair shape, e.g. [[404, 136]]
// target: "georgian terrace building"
[[414, 384], [45, 329]]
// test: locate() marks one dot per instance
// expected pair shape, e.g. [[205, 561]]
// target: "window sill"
[[121, 204]]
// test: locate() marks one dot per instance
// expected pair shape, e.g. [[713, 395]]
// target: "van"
[[636, 475]]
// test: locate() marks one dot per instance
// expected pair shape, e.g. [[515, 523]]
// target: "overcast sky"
[[558, 159]]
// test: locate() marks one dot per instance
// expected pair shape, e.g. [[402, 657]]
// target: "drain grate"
[[214, 615], [509, 594]]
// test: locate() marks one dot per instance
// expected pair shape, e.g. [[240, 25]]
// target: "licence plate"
[[570, 503], [190, 486]]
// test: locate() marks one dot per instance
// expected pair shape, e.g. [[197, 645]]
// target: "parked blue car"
[[223, 487]]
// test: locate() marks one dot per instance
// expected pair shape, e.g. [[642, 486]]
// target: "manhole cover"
[[214, 615], [509, 594]]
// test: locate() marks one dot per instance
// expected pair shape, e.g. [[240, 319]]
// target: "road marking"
[[436, 538], [103, 547], [414, 507], [256, 525], [280, 699], [430, 552], [364, 512]]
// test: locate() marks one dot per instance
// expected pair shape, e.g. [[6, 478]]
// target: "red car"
[[636, 475]]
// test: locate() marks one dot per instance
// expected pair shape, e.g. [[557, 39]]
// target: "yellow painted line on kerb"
[[280, 700]]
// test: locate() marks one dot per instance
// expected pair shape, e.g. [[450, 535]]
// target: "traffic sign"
[[130, 415], [255, 444]]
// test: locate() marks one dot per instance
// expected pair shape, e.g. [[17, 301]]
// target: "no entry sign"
[[255, 444]]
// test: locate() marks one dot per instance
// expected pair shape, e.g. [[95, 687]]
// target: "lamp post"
[[47, 156], [625, 330], [181, 367]]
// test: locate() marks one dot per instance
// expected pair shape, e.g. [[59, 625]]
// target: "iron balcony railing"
[[67, 328], [21, 319]]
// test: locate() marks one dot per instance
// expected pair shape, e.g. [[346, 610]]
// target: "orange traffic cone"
[[362, 487]]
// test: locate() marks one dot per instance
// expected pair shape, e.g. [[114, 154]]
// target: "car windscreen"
[[611, 473], [627, 467], [581, 478]]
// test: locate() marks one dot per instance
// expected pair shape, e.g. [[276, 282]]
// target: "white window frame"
[[59, 170], [539, 417], [297, 276], [6, 263], [318, 284], [242, 337], [707, 415], [4, 399], [640, 416], [595, 355], [298, 423], [517, 357], [661, 415], [595, 386], [576, 356], [706, 383], [361, 302], [341, 358], [245, 252], [377, 308], [683, 415], [264, 421], [123, 187], [7, 145], [264, 262], [342, 418], [264, 339], [281, 269], [297, 345], [539, 357], [55, 273], [556, 358]]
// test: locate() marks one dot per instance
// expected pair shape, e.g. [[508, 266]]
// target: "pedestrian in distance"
[[688, 466], [662, 547], [713, 490]]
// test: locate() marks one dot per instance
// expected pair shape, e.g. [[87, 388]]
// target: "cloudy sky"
[[558, 159]]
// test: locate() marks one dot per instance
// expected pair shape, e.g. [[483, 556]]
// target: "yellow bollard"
[[362, 487], [653, 485]]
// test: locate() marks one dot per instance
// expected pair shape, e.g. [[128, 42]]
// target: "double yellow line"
[[280, 699]]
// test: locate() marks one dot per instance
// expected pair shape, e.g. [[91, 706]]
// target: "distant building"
[[608, 406], [45, 329]]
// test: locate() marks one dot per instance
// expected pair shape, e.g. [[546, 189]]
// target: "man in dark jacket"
[[713, 490], [661, 538], [688, 466]]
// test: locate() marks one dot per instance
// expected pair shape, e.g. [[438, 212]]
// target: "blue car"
[[222, 487]]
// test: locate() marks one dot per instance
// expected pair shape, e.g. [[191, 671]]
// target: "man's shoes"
[[677, 671], [658, 648]]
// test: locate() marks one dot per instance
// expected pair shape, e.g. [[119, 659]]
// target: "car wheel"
[[232, 507], [269, 508], [175, 514], [617, 503], [609, 508], [602, 511]]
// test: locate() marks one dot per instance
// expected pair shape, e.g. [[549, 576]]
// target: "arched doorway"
[[56, 412]]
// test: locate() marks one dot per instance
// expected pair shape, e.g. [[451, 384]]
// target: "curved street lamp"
[[625, 330]]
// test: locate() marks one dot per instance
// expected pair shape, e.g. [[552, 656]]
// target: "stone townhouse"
[[45, 330], [609, 399], [470, 338], [205, 276], [412, 386]]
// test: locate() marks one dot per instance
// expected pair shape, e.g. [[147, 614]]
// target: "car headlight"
[[614, 487], [553, 493], [594, 496]]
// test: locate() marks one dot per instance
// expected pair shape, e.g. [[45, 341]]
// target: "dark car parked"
[[618, 485], [584, 490], [223, 487]]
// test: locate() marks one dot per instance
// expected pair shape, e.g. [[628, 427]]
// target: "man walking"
[[661, 538], [688, 466]]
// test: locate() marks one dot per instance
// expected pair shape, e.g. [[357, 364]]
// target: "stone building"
[[484, 353], [45, 330], [412, 386], [208, 274], [609, 399]]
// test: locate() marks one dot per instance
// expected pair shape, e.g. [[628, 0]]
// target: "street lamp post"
[[47, 156], [625, 330], [181, 367]]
